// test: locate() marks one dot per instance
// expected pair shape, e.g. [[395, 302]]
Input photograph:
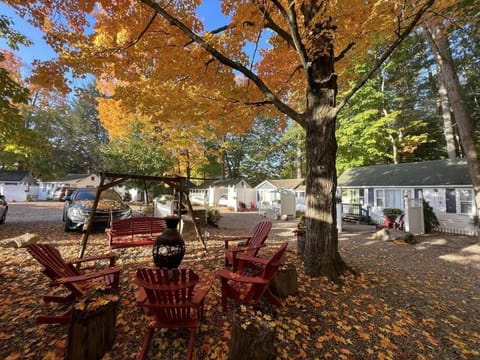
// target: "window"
[[379, 198], [466, 201], [393, 199], [451, 201]]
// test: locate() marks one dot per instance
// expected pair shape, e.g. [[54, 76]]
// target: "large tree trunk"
[[298, 160], [447, 119], [321, 247], [444, 103], [462, 118]]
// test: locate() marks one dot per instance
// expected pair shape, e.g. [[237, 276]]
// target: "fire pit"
[[169, 247]]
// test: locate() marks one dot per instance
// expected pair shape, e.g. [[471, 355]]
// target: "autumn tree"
[[12, 93], [164, 62]]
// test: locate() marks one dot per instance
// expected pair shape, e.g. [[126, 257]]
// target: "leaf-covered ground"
[[408, 302]]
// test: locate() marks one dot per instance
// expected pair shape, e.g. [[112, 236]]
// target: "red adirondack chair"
[[250, 247], [174, 298], [66, 275], [251, 289]]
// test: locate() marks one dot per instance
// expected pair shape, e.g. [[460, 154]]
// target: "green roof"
[[428, 173]]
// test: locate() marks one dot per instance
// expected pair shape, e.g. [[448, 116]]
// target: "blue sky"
[[209, 13]]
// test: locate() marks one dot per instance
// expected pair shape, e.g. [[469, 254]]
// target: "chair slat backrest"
[[257, 290], [169, 293], [50, 258], [260, 233]]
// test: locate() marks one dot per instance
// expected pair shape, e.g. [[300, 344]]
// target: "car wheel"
[[68, 225]]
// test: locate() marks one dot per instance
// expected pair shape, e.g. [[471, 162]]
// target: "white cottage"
[[235, 191], [444, 184], [48, 188], [269, 194], [18, 185]]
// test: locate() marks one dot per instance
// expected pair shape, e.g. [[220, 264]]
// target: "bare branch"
[[290, 17], [269, 23], [344, 52], [270, 96], [385, 55]]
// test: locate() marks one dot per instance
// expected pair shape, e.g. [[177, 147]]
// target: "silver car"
[[78, 208], [3, 209]]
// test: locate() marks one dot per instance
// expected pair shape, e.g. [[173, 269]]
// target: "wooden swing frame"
[[178, 183]]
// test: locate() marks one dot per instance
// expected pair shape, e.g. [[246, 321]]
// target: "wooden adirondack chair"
[[66, 275], [250, 247], [174, 298], [251, 289]]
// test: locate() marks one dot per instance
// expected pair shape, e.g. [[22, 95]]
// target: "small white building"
[[267, 192], [237, 192], [444, 184], [48, 188], [18, 185]]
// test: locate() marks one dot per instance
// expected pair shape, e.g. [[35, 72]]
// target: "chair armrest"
[[228, 275], [252, 259], [227, 239], [246, 248], [200, 291], [110, 257], [85, 277]]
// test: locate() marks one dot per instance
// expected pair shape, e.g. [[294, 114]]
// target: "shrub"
[[392, 211], [213, 216], [429, 218]]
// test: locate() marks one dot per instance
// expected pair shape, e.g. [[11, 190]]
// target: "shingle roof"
[[286, 183], [71, 177], [428, 173], [219, 182], [12, 175]]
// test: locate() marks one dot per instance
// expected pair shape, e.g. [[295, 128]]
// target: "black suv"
[[3, 209]]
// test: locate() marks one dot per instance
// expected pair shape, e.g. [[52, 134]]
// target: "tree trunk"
[[444, 104], [462, 118], [447, 119], [321, 256], [298, 160]]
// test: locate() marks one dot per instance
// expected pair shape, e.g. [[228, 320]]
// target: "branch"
[[344, 52], [133, 42], [270, 96], [291, 19], [275, 27], [385, 55]]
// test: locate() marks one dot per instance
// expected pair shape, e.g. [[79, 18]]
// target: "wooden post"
[[284, 282], [92, 328], [252, 339]]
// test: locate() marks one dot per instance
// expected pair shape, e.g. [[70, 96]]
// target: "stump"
[[252, 339], [284, 282], [92, 328]]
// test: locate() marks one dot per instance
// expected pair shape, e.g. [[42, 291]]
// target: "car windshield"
[[90, 195]]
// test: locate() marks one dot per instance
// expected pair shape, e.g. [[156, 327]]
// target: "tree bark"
[[321, 254], [444, 104], [298, 160], [455, 96]]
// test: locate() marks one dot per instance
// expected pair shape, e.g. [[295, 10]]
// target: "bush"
[[429, 218], [213, 216], [392, 211], [409, 238]]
